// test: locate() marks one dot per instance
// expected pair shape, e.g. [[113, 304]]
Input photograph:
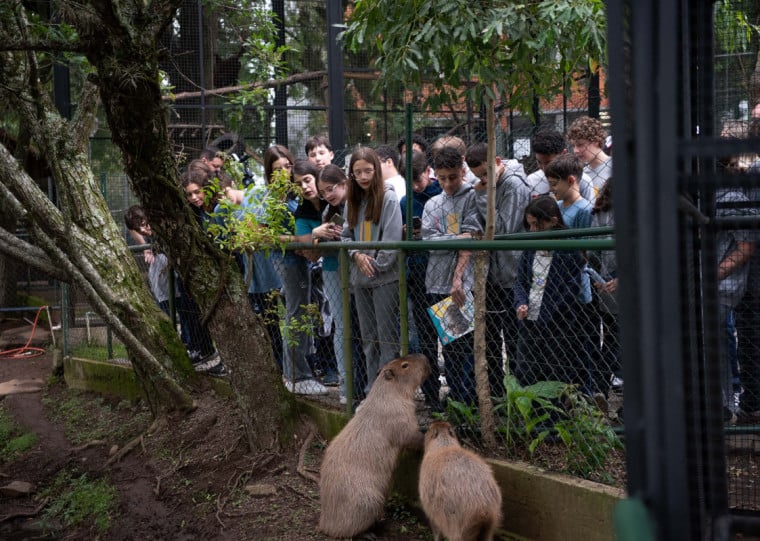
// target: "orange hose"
[[27, 351]]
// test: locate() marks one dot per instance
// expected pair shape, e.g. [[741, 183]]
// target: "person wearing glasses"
[[333, 189], [373, 214]]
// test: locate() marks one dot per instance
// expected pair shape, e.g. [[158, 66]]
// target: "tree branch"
[[11, 44], [271, 83], [84, 119], [31, 255]]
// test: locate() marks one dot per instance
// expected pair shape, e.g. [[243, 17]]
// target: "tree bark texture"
[[127, 66], [80, 239], [487, 425]]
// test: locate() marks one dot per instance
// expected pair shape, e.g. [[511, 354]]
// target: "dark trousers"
[[198, 337], [502, 327], [427, 337]]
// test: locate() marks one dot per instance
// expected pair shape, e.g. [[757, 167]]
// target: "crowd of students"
[[545, 310]]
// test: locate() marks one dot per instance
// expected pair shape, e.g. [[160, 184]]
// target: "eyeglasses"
[[330, 189], [364, 172]]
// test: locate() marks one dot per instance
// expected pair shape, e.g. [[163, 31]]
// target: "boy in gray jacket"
[[512, 196], [450, 272]]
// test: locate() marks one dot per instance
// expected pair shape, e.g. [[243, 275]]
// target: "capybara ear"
[[388, 374]]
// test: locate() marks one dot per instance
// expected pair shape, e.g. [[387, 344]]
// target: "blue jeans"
[[334, 294]]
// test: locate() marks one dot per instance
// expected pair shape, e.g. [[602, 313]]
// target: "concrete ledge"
[[102, 377], [542, 505], [537, 504]]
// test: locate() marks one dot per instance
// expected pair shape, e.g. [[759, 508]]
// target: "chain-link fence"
[[553, 321]]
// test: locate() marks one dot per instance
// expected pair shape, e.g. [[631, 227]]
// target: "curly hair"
[[587, 129]]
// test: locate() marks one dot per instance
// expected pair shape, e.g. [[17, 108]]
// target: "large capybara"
[[358, 464], [457, 488]]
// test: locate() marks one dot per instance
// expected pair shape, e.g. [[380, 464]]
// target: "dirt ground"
[[191, 480], [194, 479]]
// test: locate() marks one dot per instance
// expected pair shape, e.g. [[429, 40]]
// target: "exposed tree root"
[[306, 474], [87, 445], [160, 422], [22, 514]]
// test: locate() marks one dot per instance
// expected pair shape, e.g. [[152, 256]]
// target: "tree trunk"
[[81, 238], [9, 269], [754, 84], [128, 74], [481, 260]]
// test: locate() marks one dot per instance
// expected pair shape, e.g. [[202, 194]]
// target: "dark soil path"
[[192, 479]]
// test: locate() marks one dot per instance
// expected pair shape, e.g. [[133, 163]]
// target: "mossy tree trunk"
[[481, 270], [126, 59], [80, 240], [120, 39]]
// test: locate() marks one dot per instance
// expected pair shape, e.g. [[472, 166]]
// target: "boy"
[[212, 157], [319, 151], [588, 137], [512, 196], [547, 145], [158, 264], [563, 175], [389, 162], [450, 272], [425, 339], [202, 354]]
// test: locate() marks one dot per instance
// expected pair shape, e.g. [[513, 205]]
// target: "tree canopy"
[[518, 51]]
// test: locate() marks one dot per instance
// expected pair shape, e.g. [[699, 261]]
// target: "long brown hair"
[[374, 193], [271, 155]]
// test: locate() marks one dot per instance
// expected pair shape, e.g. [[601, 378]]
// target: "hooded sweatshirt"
[[442, 220], [388, 229], [512, 196]]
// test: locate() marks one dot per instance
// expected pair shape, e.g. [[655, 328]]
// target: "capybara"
[[358, 464], [457, 488]]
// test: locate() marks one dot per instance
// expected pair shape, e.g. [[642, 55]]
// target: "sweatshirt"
[[442, 220]]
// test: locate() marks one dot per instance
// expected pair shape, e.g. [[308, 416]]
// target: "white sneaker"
[[309, 387], [343, 399]]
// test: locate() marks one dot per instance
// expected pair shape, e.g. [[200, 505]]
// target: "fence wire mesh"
[[551, 325]]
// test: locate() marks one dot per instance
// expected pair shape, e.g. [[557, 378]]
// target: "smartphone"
[[337, 219], [416, 222]]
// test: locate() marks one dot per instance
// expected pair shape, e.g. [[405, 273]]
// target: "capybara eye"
[[405, 365]]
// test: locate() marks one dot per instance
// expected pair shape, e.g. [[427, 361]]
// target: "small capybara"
[[457, 488], [356, 470]]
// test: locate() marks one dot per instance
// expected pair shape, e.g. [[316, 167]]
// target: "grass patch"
[[78, 500], [86, 417], [13, 440], [99, 353]]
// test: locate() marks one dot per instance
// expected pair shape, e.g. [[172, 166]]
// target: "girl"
[[333, 190], [373, 214], [545, 301], [294, 272]]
